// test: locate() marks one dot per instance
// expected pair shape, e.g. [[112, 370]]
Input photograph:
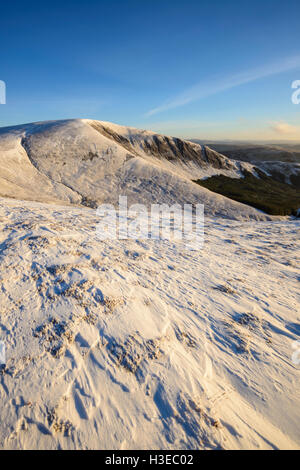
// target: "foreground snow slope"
[[90, 162], [141, 344]]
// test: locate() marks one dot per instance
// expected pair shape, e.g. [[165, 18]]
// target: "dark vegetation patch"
[[86, 201], [264, 193], [90, 156], [295, 180]]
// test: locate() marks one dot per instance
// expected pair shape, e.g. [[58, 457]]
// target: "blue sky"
[[211, 70]]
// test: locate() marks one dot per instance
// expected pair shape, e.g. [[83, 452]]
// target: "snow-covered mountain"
[[140, 344], [87, 162]]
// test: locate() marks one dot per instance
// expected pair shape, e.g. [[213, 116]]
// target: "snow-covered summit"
[[86, 162]]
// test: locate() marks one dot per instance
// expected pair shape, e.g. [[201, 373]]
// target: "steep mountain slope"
[[91, 162]]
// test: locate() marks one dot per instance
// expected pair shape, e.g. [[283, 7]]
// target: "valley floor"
[[142, 344]]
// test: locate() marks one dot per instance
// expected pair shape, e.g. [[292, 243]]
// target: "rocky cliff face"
[[162, 147]]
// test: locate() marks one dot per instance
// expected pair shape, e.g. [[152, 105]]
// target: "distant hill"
[[256, 152]]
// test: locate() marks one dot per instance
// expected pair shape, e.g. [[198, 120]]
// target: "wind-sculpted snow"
[[136, 344], [86, 162]]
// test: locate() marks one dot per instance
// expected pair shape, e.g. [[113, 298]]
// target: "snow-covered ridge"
[[91, 162]]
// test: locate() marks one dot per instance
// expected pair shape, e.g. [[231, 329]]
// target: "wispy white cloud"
[[204, 89], [284, 128]]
